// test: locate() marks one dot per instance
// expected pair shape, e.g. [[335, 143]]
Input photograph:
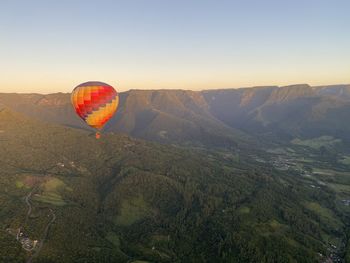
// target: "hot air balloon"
[[95, 102]]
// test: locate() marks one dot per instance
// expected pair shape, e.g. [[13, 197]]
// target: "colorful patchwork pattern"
[[95, 103]]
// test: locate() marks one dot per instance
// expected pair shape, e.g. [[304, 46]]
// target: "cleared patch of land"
[[317, 143], [113, 238], [131, 211], [345, 160], [50, 198], [326, 215]]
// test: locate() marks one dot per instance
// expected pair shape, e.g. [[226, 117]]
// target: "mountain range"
[[254, 175], [211, 117]]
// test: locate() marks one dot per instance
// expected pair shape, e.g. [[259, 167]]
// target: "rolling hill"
[[120, 199]]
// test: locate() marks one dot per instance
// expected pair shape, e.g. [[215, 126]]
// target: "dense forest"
[[120, 199]]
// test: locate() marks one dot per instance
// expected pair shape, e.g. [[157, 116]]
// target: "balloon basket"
[[98, 135]]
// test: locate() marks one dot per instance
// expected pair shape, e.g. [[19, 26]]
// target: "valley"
[[324, 175], [216, 192], [174, 131]]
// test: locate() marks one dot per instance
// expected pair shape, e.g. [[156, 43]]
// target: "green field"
[[131, 211], [317, 143], [53, 184], [341, 188], [345, 160], [50, 198], [19, 184], [326, 215], [244, 210], [113, 238]]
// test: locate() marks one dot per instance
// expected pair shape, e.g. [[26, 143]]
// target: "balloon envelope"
[[95, 102]]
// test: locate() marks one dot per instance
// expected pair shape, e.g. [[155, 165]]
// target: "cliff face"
[[182, 115]]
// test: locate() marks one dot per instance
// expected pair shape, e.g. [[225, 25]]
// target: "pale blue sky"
[[48, 46]]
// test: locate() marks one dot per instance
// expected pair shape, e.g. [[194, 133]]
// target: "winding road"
[[47, 228], [46, 232], [27, 200]]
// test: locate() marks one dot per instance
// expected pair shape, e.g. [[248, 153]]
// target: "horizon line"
[[179, 89]]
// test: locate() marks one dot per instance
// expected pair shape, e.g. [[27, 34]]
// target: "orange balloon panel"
[[95, 102]]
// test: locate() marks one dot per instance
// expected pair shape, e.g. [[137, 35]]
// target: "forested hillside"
[[120, 199], [211, 117]]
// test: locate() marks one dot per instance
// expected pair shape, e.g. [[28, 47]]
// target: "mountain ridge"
[[122, 199], [204, 117]]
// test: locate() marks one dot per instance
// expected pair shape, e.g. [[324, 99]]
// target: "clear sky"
[[49, 46]]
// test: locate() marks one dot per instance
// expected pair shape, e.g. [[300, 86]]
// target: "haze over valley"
[[174, 131], [238, 175]]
